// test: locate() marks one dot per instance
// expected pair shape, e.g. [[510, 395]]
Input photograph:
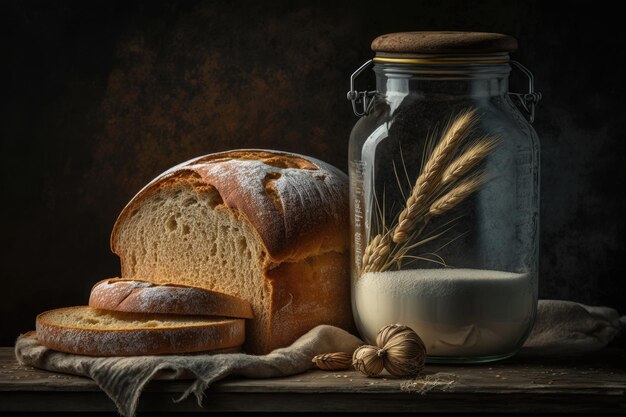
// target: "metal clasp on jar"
[[360, 97], [528, 100]]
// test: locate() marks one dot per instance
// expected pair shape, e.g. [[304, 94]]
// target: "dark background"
[[101, 96]]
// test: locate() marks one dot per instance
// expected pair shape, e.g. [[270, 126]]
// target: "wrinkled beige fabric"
[[569, 328], [123, 378]]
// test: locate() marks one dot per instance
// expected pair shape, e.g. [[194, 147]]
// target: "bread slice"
[[136, 296], [265, 226], [85, 330]]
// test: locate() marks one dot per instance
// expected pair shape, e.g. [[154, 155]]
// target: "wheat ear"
[[417, 202], [369, 250], [455, 196], [376, 253], [468, 160]]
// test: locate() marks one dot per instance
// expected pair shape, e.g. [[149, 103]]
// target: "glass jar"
[[444, 185]]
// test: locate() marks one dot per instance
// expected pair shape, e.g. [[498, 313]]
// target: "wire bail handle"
[[528, 100], [361, 97]]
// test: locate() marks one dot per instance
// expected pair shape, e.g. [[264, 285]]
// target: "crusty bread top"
[[144, 297], [298, 205]]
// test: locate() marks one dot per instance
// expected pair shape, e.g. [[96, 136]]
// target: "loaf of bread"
[[269, 227], [135, 296], [85, 330]]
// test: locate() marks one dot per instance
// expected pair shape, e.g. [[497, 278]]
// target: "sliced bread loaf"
[[144, 297], [88, 331], [269, 227]]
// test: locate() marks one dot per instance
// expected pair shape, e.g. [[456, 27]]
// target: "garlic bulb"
[[404, 351], [366, 359], [400, 351]]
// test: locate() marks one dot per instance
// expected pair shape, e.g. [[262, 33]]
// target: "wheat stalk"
[[425, 201], [416, 204]]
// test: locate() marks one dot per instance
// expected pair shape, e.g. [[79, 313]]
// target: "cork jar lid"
[[403, 43]]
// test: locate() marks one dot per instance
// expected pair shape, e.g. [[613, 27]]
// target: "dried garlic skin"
[[367, 360], [336, 361], [389, 331], [403, 351]]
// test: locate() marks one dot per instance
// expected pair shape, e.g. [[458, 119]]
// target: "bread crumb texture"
[[90, 331]]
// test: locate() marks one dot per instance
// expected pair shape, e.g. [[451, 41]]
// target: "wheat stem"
[[395, 172], [423, 258]]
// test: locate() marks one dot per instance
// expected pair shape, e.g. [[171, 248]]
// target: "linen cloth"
[[561, 327]]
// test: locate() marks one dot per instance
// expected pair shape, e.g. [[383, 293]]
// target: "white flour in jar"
[[456, 312]]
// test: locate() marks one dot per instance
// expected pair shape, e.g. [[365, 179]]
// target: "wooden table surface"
[[595, 382]]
